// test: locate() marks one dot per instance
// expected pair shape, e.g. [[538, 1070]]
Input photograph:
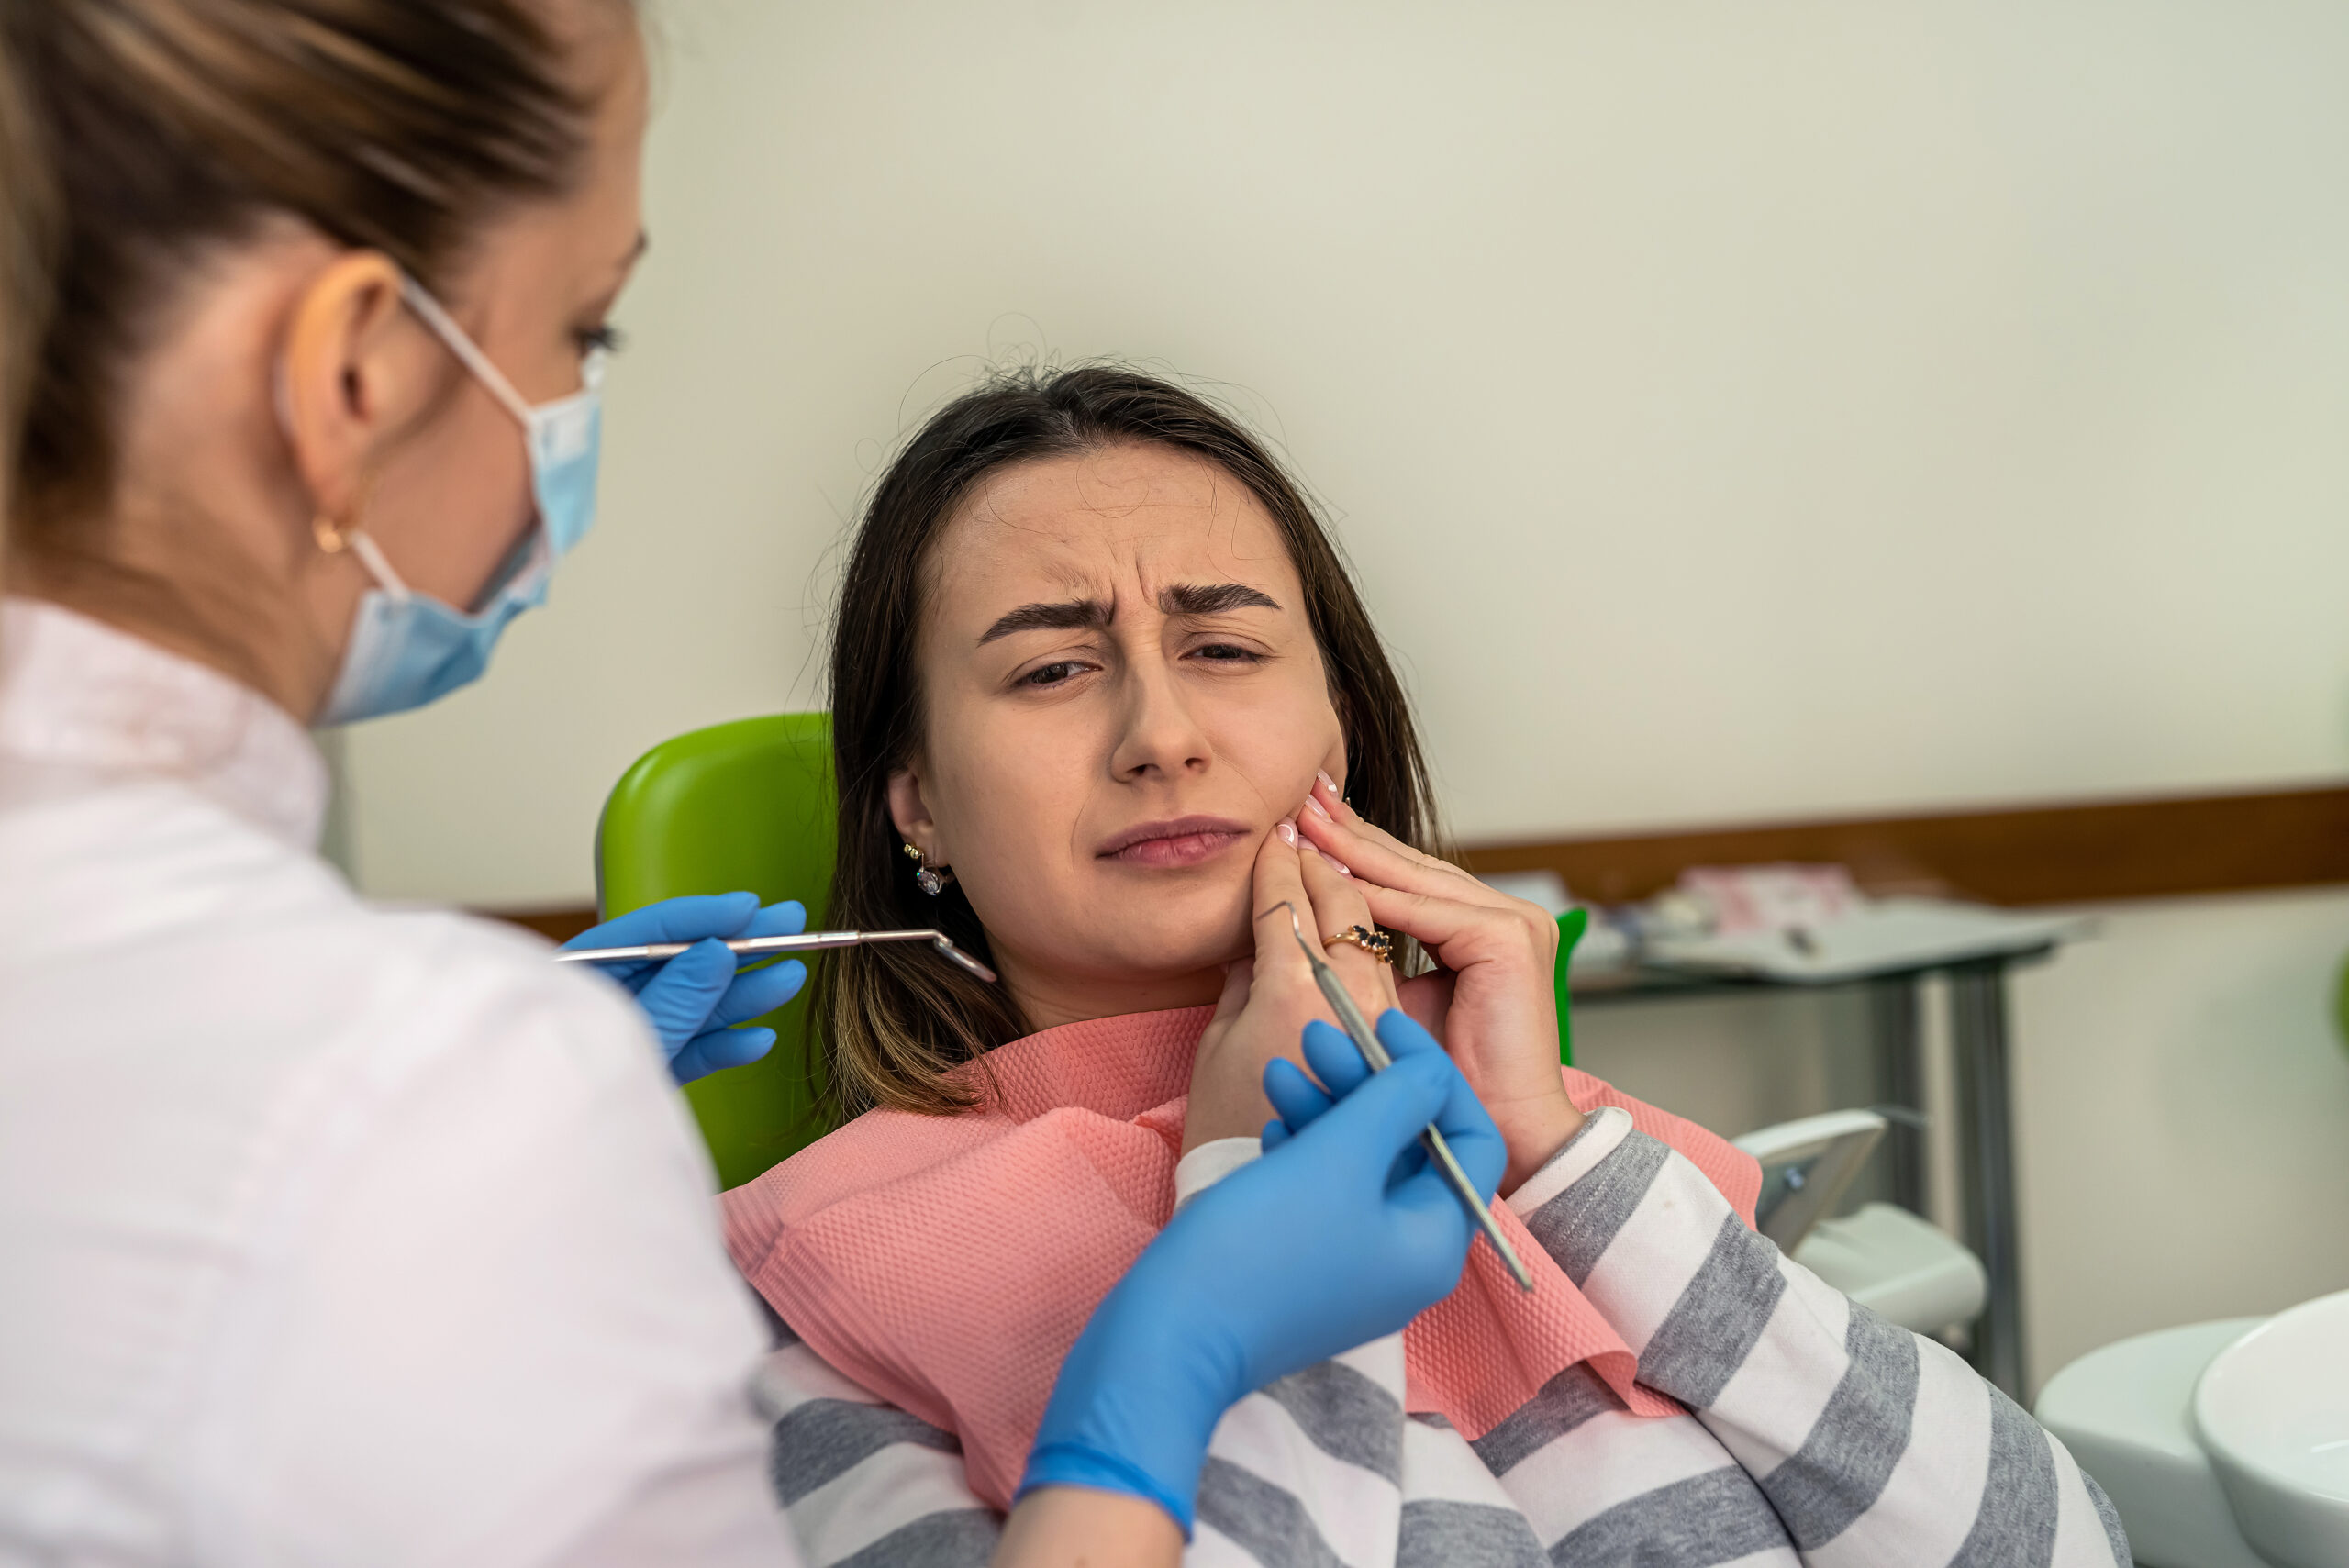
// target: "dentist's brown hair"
[[24, 216], [160, 130], [894, 1021]]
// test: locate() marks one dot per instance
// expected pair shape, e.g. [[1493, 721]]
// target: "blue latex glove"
[[1342, 1232], [695, 998]]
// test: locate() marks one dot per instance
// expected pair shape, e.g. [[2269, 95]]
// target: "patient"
[[1103, 697]]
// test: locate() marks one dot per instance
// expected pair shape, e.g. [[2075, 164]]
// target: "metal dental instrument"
[[761, 947], [1333, 991]]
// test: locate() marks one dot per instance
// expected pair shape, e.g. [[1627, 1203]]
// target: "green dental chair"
[[747, 805], [750, 804]]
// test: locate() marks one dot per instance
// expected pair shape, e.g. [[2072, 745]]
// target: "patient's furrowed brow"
[[1066, 615], [1212, 598]]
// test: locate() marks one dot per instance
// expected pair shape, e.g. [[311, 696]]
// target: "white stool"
[[1884, 1258], [1898, 1265]]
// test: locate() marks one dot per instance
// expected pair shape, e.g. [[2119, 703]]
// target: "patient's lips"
[[1177, 841]]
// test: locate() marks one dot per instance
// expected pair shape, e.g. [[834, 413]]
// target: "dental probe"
[[806, 941], [1333, 991]]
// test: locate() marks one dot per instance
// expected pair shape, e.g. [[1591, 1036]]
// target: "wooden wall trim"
[[557, 925], [2088, 853], [2094, 854]]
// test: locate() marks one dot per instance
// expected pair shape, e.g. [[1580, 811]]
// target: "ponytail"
[[174, 127], [24, 220]]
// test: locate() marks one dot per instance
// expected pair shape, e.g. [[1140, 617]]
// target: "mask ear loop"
[[335, 535], [444, 326]]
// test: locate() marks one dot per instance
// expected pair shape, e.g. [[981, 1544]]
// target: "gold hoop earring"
[[333, 533]]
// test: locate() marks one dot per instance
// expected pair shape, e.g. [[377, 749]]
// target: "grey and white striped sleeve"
[[863, 1484], [1873, 1444]]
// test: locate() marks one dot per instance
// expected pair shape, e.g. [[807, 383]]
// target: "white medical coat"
[[328, 1234]]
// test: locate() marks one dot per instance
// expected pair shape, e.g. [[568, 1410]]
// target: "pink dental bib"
[[947, 1263]]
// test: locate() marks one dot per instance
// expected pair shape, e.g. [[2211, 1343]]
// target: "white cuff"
[[1209, 1163], [1603, 1131]]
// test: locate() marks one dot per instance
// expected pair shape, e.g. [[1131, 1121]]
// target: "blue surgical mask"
[[408, 649]]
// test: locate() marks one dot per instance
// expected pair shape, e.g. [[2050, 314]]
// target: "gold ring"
[[1378, 944]]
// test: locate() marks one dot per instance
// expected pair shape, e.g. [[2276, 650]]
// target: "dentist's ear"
[[911, 815], [353, 375]]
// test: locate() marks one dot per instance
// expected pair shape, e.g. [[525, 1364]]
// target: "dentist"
[[335, 1235]]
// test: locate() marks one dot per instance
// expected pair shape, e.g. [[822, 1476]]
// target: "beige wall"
[[1734, 410], [2183, 1109]]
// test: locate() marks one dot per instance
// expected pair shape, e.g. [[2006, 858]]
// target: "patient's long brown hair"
[[896, 1022]]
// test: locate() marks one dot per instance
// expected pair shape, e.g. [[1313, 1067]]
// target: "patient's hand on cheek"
[[1269, 1000], [1496, 1011]]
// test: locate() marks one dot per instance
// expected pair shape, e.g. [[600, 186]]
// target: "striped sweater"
[[1816, 1432]]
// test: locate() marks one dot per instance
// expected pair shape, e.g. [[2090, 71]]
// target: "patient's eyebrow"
[[1212, 598], [1178, 599], [1066, 615]]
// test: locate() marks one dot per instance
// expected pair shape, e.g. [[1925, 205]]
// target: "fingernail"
[[1335, 863], [1319, 809], [1327, 782], [1287, 830]]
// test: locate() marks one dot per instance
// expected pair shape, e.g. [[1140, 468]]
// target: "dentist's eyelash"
[[606, 336]]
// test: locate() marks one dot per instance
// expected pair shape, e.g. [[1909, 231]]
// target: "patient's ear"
[[907, 810]]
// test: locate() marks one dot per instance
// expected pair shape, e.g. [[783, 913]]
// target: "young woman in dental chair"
[[1102, 692]]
